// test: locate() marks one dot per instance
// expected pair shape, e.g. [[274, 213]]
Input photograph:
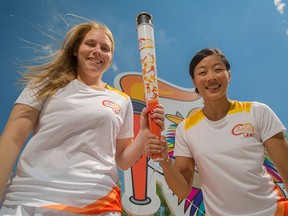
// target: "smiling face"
[[94, 56], [211, 77]]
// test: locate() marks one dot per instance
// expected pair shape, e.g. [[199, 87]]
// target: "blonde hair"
[[61, 67]]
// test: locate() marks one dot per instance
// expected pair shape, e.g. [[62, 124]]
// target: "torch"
[[145, 31]]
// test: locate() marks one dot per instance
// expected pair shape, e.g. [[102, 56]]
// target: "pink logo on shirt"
[[246, 129], [114, 106]]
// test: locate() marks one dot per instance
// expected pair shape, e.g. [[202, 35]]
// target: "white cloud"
[[114, 67], [276, 2], [164, 39], [48, 49], [279, 6]]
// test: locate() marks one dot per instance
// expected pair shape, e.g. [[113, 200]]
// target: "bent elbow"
[[123, 167], [183, 196]]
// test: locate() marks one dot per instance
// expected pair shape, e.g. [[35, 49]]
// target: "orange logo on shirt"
[[246, 129], [114, 106]]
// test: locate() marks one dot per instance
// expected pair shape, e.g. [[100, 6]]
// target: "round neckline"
[[95, 89], [216, 121], [230, 107]]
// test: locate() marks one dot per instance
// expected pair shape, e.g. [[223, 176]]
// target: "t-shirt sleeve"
[[181, 144], [267, 121], [126, 130], [28, 97]]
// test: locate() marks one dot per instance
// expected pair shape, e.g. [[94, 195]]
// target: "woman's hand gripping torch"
[[145, 31]]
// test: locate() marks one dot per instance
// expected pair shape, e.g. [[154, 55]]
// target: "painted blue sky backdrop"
[[252, 34]]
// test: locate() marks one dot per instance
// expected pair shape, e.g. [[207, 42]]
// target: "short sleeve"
[[181, 144], [28, 97], [126, 130], [268, 122]]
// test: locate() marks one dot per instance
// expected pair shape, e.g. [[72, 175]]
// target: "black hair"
[[203, 54]]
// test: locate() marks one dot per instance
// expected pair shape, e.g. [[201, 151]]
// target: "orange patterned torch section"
[[145, 31]]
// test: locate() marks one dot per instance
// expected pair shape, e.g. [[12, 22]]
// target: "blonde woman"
[[82, 130]]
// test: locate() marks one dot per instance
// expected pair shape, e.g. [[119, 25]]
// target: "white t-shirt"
[[229, 156], [69, 163]]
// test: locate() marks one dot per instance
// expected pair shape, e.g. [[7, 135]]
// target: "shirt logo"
[[246, 129], [114, 106]]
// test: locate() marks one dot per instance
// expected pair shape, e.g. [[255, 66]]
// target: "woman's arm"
[[18, 128], [277, 148], [128, 151], [178, 175]]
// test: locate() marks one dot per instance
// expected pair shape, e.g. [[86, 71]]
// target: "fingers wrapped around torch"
[[155, 145], [157, 114]]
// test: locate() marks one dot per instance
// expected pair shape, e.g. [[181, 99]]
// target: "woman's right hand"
[[156, 145]]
